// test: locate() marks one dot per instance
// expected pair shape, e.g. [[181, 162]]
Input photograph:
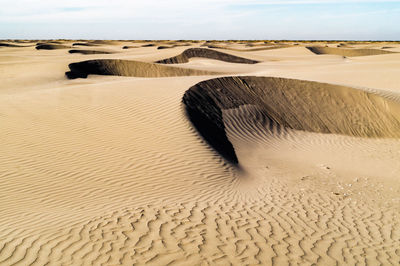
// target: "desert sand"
[[242, 153]]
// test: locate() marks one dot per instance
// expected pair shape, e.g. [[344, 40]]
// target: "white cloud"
[[207, 16]]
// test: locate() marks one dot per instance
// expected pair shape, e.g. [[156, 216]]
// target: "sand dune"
[[4, 44], [346, 51], [84, 44], [110, 170], [128, 68], [294, 104], [129, 47], [51, 46], [249, 49], [80, 51], [205, 53]]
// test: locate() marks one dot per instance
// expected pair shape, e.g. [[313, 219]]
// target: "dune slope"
[[290, 103], [346, 52], [128, 68], [81, 51], [205, 53], [51, 46]]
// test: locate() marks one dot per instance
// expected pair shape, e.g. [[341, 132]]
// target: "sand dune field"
[[205, 153]]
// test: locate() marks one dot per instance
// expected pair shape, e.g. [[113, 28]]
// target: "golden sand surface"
[[111, 170]]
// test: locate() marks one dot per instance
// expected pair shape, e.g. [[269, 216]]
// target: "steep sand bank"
[[346, 51], [128, 68], [80, 51], [205, 53], [51, 46], [294, 104]]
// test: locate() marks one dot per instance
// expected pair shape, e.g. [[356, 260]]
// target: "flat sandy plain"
[[110, 170]]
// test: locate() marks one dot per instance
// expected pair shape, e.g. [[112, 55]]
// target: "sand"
[[346, 51], [109, 169], [205, 53]]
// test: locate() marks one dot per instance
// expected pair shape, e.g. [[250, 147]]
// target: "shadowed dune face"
[[205, 53], [346, 52], [84, 44], [51, 46], [293, 104], [77, 51], [129, 68], [129, 47], [3, 44]]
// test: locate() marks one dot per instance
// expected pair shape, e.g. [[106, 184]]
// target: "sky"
[[200, 19]]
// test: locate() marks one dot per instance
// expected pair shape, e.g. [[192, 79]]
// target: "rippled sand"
[[109, 170]]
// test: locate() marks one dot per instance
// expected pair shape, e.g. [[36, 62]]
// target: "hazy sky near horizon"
[[200, 19]]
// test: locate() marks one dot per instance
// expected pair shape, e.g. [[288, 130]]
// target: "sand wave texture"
[[129, 68], [205, 53], [295, 104]]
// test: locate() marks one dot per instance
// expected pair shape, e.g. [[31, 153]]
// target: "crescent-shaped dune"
[[295, 104], [129, 68], [78, 51], [205, 53], [346, 52]]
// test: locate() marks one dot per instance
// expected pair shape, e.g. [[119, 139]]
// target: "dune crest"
[[205, 53], [81, 51], [294, 104], [250, 49], [129, 68], [51, 46], [346, 51]]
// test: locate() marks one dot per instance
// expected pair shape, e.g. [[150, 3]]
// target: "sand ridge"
[[346, 51], [128, 68], [82, 51], [294, 104], [205, 53], [51, 46]]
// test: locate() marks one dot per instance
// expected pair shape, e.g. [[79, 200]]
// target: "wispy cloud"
[[241, 18]]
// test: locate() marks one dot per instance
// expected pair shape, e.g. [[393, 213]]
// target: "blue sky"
[[200, 19]]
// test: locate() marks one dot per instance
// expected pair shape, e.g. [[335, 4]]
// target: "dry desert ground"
[[199, 152]]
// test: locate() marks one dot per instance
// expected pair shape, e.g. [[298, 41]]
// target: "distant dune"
[[249, 49], [205, 53], [51, 46], [290, 103], [84, 44], [346, 52], [129, 68], [129, 47], [77, 51], [4, 44]]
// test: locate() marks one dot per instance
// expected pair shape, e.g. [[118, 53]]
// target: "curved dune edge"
[[5, 44], [51, 46], [78, 51], [294, 104], [205, 53], [84, 44], [346, 52], [128, 68]]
